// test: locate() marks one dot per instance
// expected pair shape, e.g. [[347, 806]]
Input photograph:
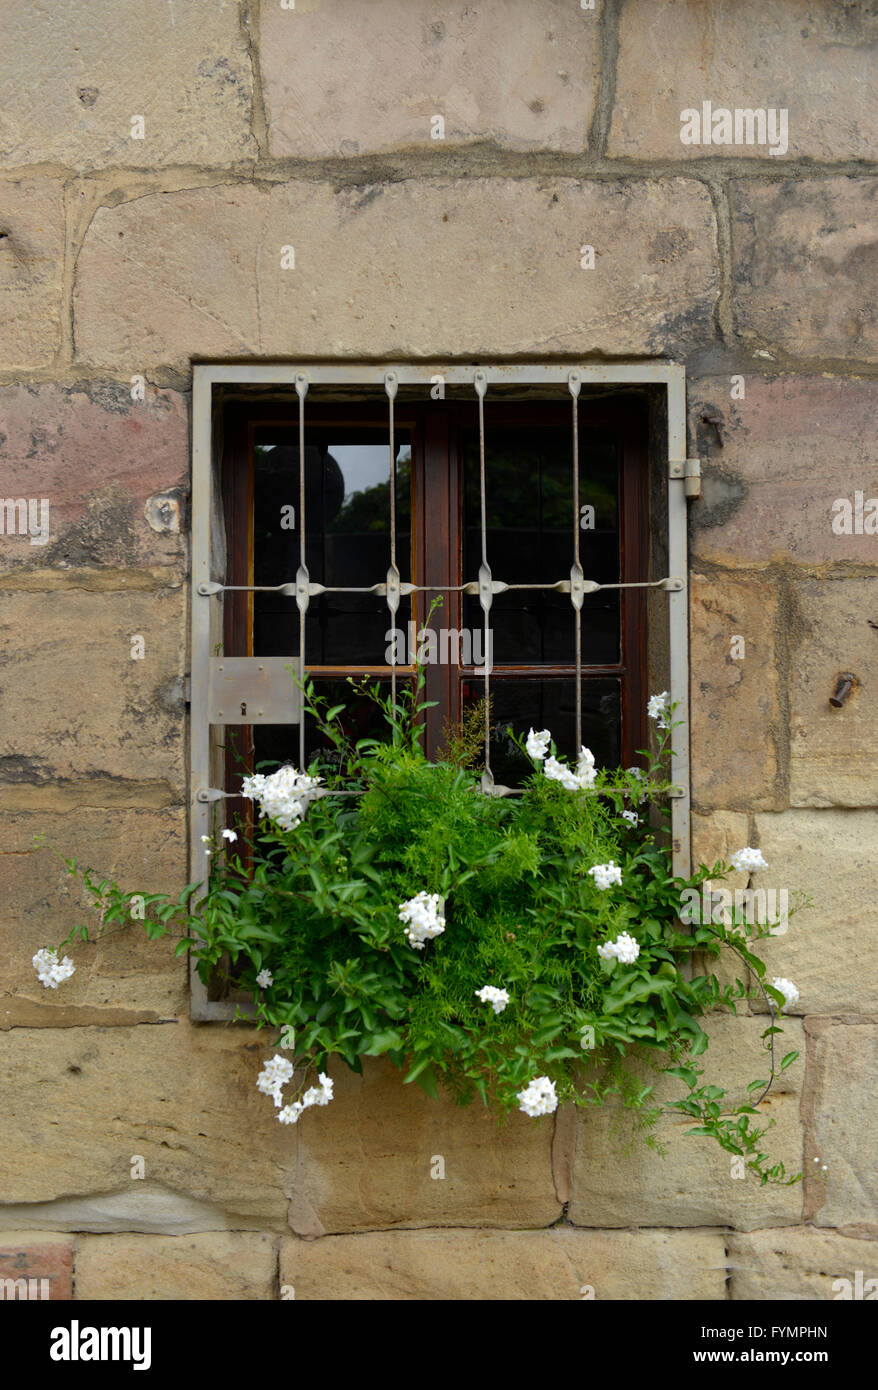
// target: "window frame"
[[208, 425]]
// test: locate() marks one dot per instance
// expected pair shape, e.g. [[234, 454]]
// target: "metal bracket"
[[210, 794], [252, 690], [690, 471], [672, 586]]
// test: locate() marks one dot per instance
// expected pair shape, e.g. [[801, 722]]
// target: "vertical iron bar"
[[485, 592], [574, 382], [390, 385], [302, 391]]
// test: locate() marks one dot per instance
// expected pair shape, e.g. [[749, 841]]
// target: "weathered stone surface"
[[797, 1264], [182, 1097], [74, 703], [47, 1256], [31, 267], [735, 714], [95, 456], [718, 836], [834, 752], [495, 1265], [493, 1176], [506, 71], [815, 60], [830, 950], [70, 89], [618, 1181], [791, 448], [436, 267], [145, 1208], [803, 251], [124, 977], [845, 1124], [216, 1265]]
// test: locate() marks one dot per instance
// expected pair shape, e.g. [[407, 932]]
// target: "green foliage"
[[318, 906]]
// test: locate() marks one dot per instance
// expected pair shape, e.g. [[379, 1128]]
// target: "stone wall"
[[314, 126]]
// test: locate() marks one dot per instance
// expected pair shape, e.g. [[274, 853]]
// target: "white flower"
[[572, 781], [282, 796], [230, 835], [319, 1095], [605, 875], [205, 839], [264, 979], [537, 745], [749, 859], [290, 1113], [624, 949], [538, 1098], [631, 816], [498, 998], [789, 992], [50, 971], [423, 914], [658, 707], [273, 1077]]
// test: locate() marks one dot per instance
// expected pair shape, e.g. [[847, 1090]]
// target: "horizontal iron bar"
[[499, 586], [411, 374]]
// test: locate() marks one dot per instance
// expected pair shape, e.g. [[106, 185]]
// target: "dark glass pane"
[[549, 704], [276, 744], [347, 526], [529, 516]]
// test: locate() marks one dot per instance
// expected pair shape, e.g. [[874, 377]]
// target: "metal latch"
[[690, 471]]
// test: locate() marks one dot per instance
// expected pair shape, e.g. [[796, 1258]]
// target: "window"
[[486, 520]]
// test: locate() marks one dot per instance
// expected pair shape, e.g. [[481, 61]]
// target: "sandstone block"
[[797, 1264], [71, 91], [123, 978], [519, 76], [78, 702], [484, 1266], [46, 1260], [618, 1181], [214, 1265], [391, 1175], [815, 61], [829, 949], [803, 251], [96, 457], [845, 1128], [735, 697], [834, 751], [373, 268], [31, 268], [791, 448]]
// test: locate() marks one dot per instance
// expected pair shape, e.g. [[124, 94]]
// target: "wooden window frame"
[[213, 384]]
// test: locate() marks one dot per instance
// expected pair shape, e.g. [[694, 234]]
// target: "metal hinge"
[[690, 471]]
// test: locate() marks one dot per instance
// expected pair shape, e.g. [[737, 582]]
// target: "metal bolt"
[[844, 685]]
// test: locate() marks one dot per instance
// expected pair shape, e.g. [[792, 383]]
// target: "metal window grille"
[[225, 689]]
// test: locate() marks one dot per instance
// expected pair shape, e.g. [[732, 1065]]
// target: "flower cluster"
[[631, 816], [537, 745], [275, 1075], [499, 998], [315, 1095], [624, 949], [659, 707], [50, 971], [789, 992], [423, 915], [749, 859], [264, 979], [605, 875], [538, 1098], [282, 796]]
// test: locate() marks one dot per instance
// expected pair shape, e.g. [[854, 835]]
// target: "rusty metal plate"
[[253, 690]]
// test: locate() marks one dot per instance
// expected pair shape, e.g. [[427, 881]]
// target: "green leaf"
[[788, 1060]]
